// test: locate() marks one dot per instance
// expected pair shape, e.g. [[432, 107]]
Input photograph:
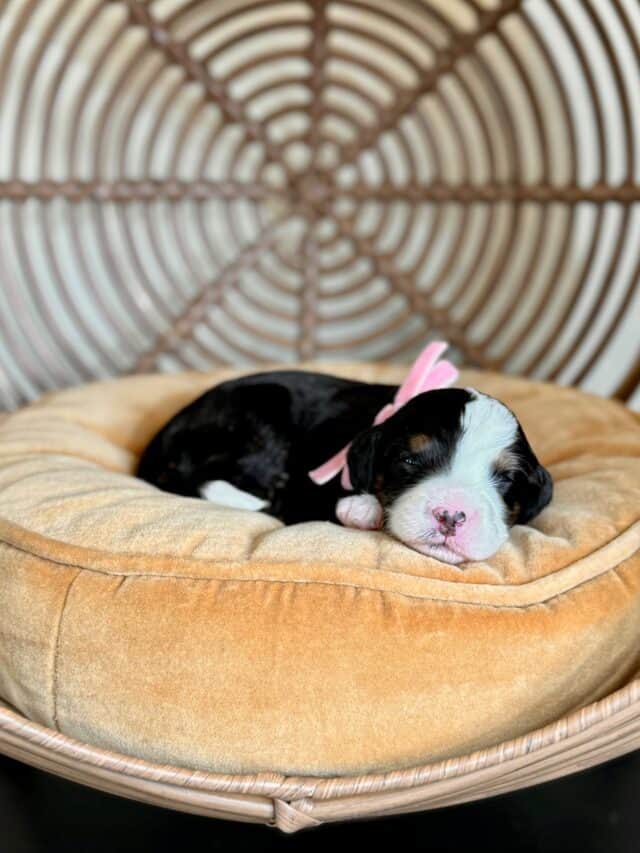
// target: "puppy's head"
[[454, 471]]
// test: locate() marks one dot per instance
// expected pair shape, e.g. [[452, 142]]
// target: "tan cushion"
[[214, 638]]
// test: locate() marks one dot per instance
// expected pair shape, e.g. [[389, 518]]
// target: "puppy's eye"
[[505, 480], [409, 459]]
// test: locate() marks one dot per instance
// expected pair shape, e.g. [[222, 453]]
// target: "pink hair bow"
[[427, 373]]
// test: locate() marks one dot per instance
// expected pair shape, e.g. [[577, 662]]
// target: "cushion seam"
[[334, 584], [56, 651]]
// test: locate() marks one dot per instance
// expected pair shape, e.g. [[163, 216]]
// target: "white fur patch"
[[225, 494], [487, 429]]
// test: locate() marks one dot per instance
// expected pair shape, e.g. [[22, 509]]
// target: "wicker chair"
[[192, 182]]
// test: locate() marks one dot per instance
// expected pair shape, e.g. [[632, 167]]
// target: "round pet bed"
[[276, 663]]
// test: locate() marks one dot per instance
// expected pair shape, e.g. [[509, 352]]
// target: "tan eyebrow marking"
[[419, 441]]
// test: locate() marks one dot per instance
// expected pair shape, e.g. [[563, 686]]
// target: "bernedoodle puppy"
[[448, 473]]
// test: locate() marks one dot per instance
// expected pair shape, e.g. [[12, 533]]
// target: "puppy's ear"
[[534, 492], [361, 459]]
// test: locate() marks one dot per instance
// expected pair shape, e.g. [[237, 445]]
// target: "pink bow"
[[426, 374]]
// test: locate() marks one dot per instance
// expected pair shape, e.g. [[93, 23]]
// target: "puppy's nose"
[[448, 520]]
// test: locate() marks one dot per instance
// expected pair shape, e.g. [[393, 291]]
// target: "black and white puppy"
[[448, 474]]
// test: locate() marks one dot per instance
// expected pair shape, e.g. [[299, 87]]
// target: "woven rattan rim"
[[596, 733]]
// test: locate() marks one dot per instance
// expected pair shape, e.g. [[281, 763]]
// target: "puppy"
[[448, 474]]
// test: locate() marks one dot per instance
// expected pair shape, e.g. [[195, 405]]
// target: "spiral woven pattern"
[[190, 182]]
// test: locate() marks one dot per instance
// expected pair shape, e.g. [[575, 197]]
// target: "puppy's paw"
[[225, 494], [361, 511]]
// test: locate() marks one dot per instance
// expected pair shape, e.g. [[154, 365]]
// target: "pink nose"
[[448, 519]]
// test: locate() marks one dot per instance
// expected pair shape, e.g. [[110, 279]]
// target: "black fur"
[[264, 433], [528, 488]]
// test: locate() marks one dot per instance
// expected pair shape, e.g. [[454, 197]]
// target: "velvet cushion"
[[182, 632]]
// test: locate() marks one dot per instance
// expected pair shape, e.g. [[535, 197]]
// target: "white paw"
[[225, 494], [361, 511]]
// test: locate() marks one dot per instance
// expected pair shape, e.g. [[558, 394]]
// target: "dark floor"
[[594, 812]]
